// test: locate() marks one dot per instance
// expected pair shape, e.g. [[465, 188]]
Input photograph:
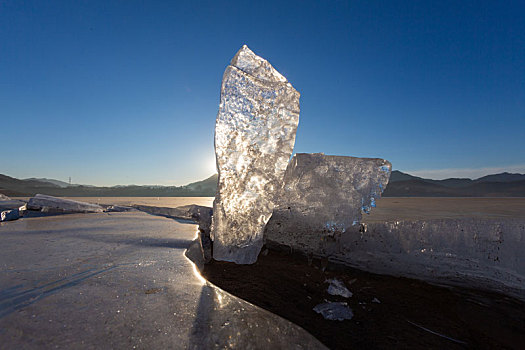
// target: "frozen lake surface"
[[121, 281], [388, 208]]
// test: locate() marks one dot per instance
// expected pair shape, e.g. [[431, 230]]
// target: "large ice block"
[[322, 197], [254, 138]]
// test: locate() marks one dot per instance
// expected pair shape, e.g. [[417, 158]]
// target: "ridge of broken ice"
[[49, 203]]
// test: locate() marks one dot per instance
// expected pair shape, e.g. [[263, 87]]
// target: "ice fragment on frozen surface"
[[334, 311], [54, 204], [325, 196], [254, 138], [8, 215], [119, 208], [337, 287]]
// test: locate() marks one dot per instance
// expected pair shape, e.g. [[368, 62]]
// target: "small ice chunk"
[[337, 287], [334, 311], [9, 215], [375, 300]]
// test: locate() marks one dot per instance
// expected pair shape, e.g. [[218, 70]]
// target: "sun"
[[211, 166]]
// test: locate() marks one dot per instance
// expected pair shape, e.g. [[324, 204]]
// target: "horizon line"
[[431, 174]]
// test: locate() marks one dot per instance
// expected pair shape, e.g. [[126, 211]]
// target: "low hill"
[[13, 187], [208, 185], [50, 181], [496, 185], [503, 177]]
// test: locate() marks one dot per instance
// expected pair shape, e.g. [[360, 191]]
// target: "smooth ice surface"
[[337, 287], [121, 281], [334, 311], [50, 204], [323, 196], [254, 138]]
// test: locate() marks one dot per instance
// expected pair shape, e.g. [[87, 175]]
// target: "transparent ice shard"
[[337, 287], [254, 138], [334, 311]]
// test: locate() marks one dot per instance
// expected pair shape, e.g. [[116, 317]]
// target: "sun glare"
[[211, 166]]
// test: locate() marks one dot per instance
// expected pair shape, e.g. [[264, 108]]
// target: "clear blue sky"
[[122, 92]]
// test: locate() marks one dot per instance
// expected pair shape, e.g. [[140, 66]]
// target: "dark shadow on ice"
[[138, 241], [83, 233], [65, 232], [201, 330], [39, 214], [225, 321]]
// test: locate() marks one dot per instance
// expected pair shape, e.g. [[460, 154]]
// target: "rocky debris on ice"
[[337, 287], [323, 197], [254, 138], [50, 204], [334, 311]]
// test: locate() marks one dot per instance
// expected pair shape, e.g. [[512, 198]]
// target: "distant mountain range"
[[400, 185], [497, 185], [59, 183], [13, 187]]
